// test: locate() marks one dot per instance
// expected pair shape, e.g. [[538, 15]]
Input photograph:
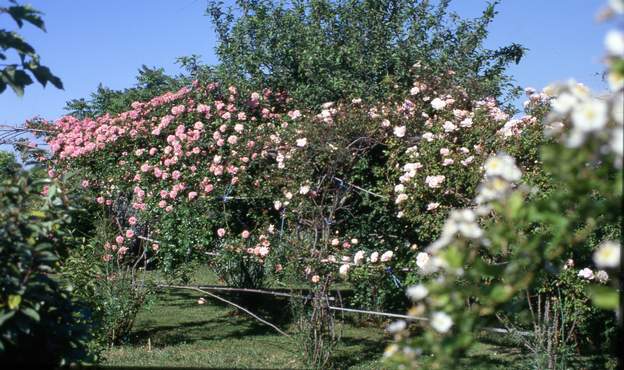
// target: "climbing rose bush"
[[496, 249]]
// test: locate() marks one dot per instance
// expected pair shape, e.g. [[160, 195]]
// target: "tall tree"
[[323, 50]]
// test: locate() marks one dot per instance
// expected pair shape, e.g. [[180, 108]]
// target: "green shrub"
[[39, 321]]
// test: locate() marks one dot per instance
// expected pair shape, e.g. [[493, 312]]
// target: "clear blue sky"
[[89, 42]]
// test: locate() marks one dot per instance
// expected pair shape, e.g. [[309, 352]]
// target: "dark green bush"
[[39, 321]]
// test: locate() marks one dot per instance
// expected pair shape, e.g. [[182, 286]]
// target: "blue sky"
[[89, 42]]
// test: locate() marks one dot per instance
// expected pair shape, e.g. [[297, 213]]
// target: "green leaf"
[[6, 316], [604, 297], [31, 313], [501, 293], [14, 301], [14, 41], [26, 13]]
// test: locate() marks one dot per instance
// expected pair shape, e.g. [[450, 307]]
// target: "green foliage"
[[15, 75], [8, 165], [36, 314], [110, 290], [326, 50], [531, 240], [150, 83]]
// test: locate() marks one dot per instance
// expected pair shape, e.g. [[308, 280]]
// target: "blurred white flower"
[[396, 326], [564, 103], [608, 255], [614, 42], [617, 6], [504, 166], [416, 292], [441, 322], [590, 115]]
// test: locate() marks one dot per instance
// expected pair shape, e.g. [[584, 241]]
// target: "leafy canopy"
[[324, 50], [15, 73]]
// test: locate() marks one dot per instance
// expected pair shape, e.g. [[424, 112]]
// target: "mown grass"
[[183, 333]]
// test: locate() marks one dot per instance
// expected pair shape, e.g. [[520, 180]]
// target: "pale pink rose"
[[221, 232], [302, 142], [192, 195], [132, 220], [129, 234], [399, 131], [245, 234], [387, 256], [315, 279], [374, 257], [263, 252], [435, 181], [100, 200], [433, 205], [449, 126], [119, 239]]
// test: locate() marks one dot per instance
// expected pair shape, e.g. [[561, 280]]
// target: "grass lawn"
[[183, 333]]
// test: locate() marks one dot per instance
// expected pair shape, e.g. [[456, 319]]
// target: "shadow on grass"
[[353, 351], [217, 328]]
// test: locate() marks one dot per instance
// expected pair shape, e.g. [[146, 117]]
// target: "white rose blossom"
[[417, 292], [441, 322], [608, 255]]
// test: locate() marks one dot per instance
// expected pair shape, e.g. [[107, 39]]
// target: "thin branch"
[[230, 303]]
